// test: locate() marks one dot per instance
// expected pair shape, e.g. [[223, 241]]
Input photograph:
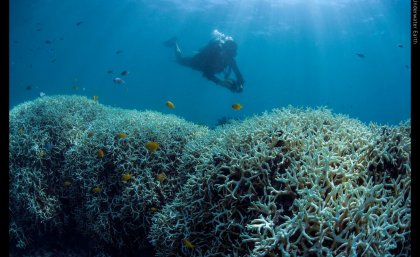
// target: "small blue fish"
[[49, 146], [360, 55]]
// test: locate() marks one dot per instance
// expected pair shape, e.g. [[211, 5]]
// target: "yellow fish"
[[95, 98], [121, 135], [97, 190], [153, 209], [101, 153], [188, 244], [126, 177], [161, 176], [237, 106], [67, 183], [170, 104], [152, 146], [40, 154]]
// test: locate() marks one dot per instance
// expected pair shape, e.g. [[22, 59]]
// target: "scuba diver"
[[216, 57]]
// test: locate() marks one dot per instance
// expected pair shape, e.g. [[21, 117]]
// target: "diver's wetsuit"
[[212, 60]]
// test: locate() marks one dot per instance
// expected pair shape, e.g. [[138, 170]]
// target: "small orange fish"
[[152, 146], [101, 153], [97, 190], [95, 98], [161, 176], [170, 104], [121, 135], [153, 209], [237, 106], [126, 177], [67, 183], [188, 244]]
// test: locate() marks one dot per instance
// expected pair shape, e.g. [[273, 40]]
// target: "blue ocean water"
[[300, 53]]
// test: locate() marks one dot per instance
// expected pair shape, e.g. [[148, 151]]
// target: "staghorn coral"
[[34, 169], [121, 214], [79, 184], [292, 182]]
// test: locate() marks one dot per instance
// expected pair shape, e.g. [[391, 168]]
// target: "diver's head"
[[229, 47]]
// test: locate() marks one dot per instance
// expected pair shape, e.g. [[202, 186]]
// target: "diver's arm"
[[238, 75], [227, 83], [213, 78]]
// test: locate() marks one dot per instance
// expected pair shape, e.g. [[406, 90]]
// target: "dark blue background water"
[[301, 53]]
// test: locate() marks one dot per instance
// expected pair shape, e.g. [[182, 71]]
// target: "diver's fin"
[[170, 42]]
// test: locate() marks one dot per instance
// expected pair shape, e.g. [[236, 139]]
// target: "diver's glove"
[[239, 88], [232, 85]]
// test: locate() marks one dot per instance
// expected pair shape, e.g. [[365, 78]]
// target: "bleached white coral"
[[291, 182], [55, 165], [295, 182]]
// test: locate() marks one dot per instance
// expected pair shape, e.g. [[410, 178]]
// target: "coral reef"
[[291, 182], [225, 120], [81, 183], [35, 176]]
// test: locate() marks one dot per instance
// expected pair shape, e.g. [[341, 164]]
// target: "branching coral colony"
[[98, 178], [291, 182]]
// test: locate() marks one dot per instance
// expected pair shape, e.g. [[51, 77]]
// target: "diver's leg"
[[177, 52], [173, 44], [185, 61]]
